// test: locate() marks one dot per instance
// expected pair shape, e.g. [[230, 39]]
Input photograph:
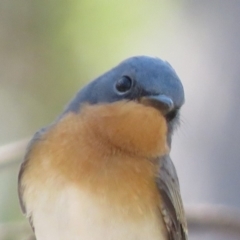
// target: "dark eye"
[[124, 84]]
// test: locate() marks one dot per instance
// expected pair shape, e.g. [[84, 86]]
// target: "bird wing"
[[171, 206], [31, 144]]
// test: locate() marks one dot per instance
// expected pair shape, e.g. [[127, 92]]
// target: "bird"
[[102, 169]]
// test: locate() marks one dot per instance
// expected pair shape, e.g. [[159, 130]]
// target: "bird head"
[[147, 80]]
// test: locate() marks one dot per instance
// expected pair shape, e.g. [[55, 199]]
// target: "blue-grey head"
[[144, 79]]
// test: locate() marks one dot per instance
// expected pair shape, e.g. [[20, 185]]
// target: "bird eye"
[[124, 84]]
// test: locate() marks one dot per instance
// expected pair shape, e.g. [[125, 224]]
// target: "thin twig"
[[12, 152], [213, 217]]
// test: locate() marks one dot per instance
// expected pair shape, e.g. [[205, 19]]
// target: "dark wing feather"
[[171, 207], [34, 140]]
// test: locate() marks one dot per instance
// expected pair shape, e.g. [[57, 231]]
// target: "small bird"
[[102, 169]]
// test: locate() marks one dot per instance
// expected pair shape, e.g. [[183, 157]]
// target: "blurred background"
[[50, 48]]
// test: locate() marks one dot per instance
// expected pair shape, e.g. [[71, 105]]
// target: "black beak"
[[161, 102]]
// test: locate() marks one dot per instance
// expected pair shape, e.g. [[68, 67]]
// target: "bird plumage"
[[102, 171]]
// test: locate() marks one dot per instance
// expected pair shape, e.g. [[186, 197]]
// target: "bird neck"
[[126, 126]]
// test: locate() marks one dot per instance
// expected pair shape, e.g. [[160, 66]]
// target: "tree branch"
[[213, 217], [12, 152]]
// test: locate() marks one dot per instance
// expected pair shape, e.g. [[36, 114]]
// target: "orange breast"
[[106, 150]]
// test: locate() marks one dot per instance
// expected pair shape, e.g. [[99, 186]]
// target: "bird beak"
[[161, 102]]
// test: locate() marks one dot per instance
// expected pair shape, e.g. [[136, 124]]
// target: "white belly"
[[74, 215]]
